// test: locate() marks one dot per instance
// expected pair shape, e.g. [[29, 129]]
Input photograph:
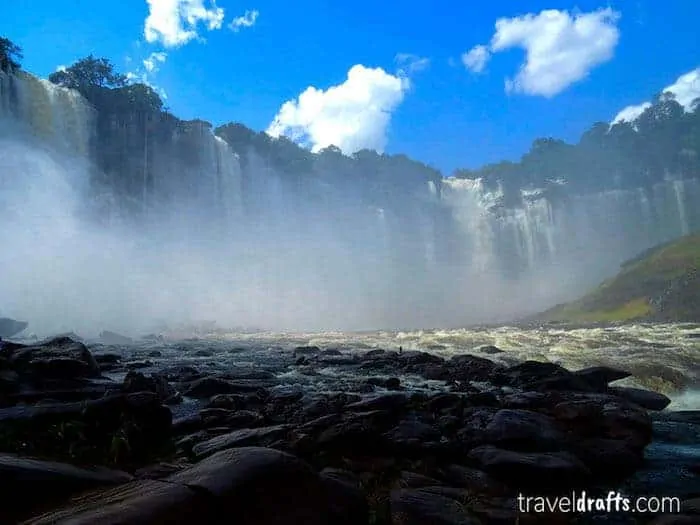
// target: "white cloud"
[[561, 48], [247, 20], [630, 113], [476, 59], [61, 68], [176, 22], [352, 115], [686, 89], [409, 63], [151, 63]]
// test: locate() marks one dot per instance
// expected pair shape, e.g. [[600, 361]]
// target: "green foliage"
[[89, 73], [661, 284], [10, 55], [663, 141]]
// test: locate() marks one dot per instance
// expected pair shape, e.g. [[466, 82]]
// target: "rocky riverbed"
[[303, 429]]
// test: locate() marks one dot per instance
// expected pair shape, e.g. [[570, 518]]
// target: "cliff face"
[[384, 215]]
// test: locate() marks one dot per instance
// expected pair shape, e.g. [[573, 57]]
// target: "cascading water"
[[185, 232]]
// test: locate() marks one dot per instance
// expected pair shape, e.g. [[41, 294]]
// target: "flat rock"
[[240, 438], [531, 469], [10, 327], [523, 430], [260, 486], [644, 398], [602, 375], [420, 507], [142, 502]]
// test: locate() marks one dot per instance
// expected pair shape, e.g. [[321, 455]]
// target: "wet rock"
[[534, 470], [469, 367], [156, 383], [346, 500], [203, 353], [59, 357], [260, 486], [155, 353], [10, 327], [107, 359], [211, 386], [523, 430], [306, 350], [489, 349], [644, 398], [49, 482], [392, 383], [240, 438], [419, 507], [390, 402], [600, 376], [112, 338], [413, 480], [139, 502], [474, 480], [608, 459]]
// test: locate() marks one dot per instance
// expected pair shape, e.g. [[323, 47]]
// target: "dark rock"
[[413, 480], [112, 338], [140, 502], [467, 367], [242, 481], [390, 402], [211, 386], [331, 352], [608, 459], [240, 438], [347, 502], [600, 376], [533, 470], [420, 507], [523, 430], [10, 327], [155, 353], [489, 349], [48, 481], [107, 359], [644, 398], [306, 350], [203, 353], [474, 480], [55, 357]]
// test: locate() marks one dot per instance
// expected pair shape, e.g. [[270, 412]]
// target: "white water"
[[284, 254]]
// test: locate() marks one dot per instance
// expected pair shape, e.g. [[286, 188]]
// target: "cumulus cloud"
[[352, 116], [247, 20], [561, 48], [476, 58], [686, 90], [176, 22], [155, 58], [409, 63]]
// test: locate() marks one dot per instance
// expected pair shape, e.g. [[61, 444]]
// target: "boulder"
[[644, 398], [532, 470], [259, 486], [49, 482], [10, 327], [420, 506]]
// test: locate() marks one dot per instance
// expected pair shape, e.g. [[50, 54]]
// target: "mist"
[[64, 271], [171, 236]]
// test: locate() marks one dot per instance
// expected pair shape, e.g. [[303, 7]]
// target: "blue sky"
[[437, 110]]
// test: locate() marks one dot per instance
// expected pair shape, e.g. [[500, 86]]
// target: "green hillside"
[[660, 284]]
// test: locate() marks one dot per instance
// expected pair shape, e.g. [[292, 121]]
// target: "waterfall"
[[55, 114]]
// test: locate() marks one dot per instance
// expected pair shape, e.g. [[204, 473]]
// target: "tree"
[[89, 76], [10, 55]]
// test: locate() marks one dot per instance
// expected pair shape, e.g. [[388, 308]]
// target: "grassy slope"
[[658, 285]]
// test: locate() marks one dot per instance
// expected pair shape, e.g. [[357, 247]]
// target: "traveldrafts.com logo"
[[613, 502]]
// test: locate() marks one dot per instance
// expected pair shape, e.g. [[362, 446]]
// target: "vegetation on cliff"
[[661, 284], [663, 142]]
